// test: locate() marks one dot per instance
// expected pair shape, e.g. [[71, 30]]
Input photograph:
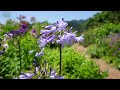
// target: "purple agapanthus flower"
[[53, 74], [16, 32], [29, 75], [61, 25], [26, 76], [60, 77], [33, 31], [66, 38], [22, 31], [51, 38], [39, 54], [48, 27], [80, 39], [46, 32], [70, 29], [43, 42], [2, 52], [23, 26], [34, 62]]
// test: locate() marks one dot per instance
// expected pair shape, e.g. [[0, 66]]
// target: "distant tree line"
[[98, 19]]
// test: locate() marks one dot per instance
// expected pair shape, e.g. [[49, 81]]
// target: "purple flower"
[[22, 31], [39, 54], [16, 32], [61, 25], [53, 74], [46, 32], [62, 77], [10, 35], [42, 41], [23, 26], [2, 52], [67, 38], [48, 27], [70, 29], [38, 68], [34, 62], [33, 31], [26, 76], [63, 40], [50, 38], [53, 29], [70, 36], [80, 39]]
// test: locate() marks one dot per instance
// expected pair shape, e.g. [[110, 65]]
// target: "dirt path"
[[113, 72]]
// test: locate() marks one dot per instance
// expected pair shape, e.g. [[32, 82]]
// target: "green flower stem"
[[60, 56], [19, 55], [60, 59]]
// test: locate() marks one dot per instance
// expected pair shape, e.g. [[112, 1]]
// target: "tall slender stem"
[[19, 55], [45, 71], [60, 59], [60, 56]]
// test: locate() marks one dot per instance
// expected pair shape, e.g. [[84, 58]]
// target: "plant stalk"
[[60, 59], [19, 55]]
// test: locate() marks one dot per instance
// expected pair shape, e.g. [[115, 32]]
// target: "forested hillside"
[[102, 36]]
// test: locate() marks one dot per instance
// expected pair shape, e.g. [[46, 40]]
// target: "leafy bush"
[[96, 51], [89, 37], [74, 65], [97, 34]]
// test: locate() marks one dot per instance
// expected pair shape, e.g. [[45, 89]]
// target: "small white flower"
[[37, 68], [31, 51], [15, 78], [5, 46], [11, 35]]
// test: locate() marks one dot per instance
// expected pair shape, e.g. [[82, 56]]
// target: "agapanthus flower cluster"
[[53, 74], [48, 72], [21, 31], [44, 72], [34, 33], [58, 34]]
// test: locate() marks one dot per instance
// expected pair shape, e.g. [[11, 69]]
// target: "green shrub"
[[74, 65], [96, 51], [89, 38]]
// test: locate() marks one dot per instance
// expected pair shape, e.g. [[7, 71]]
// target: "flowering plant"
[[59, 34]]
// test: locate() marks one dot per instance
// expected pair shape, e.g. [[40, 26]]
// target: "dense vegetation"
[[17, 56], [102, 36]]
